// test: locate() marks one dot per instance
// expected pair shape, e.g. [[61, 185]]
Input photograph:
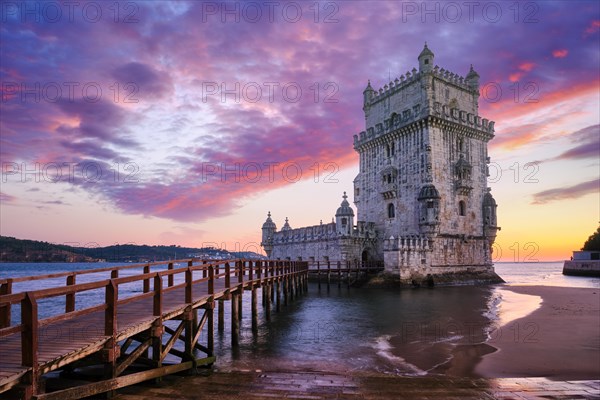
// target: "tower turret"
[[286, 226], [490, 222], [426, 60], [472, 79], [429, 204], [344, 217], [268, 230], [367, 95]]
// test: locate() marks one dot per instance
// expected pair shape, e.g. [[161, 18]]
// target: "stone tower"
[[424, 210], [423, 173]]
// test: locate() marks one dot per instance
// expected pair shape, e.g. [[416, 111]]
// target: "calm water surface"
[[407, 332]]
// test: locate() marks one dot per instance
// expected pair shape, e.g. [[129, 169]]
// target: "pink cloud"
[[526, 66], [560, 53], [592, 28]]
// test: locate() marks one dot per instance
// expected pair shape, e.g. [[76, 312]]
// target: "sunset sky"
[[183, 123]]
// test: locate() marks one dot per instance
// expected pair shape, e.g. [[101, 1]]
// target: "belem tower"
[[423, 206]]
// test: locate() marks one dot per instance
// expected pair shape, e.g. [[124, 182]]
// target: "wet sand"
[[559, 341], [310, 385]]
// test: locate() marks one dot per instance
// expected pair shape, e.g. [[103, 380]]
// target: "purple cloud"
[[566, 193], [174, 49], [588, 147]]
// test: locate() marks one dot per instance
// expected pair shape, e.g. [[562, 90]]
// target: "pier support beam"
[[221, 317], [240, 302], [210, 329], [235, 320], [267, 290], [278, 291], [254, 311]]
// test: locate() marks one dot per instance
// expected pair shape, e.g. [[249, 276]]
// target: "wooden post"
[[204, 270], [286, 284], [259, 272], [221, 322], [190, 332], [265, 284], [5, 310], [235, 321], [240, 271], [227, 276], [158, 296], [111, 347], [240, 303], [268, 302], [157, 328], [210, 339], [190, 315], [114, 274], [188, 286], [110, 313], [70, 297], [292, 285], [241, 266], [278, 291], [146, 281], [29, 342], [339, 265], [272, 273], [328, 272], [254, 311], [211, 280], [170, 278]]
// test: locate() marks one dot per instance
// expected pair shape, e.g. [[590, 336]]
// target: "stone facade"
[[423, 206]]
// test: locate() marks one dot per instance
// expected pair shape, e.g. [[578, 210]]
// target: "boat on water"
[[583, 263]]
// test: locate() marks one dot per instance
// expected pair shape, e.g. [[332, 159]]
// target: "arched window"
[[391, 211], [462, 208], [344, 221]]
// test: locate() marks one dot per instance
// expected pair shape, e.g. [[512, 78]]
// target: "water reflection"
[[406, 332]]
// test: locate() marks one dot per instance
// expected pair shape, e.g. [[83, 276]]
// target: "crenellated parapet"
[[395, 86], [411, 77], [306, 234]]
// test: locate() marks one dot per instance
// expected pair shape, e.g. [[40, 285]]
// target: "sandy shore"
[[560, 340]]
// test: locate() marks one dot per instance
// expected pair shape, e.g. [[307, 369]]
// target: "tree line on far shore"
[[19, 250]]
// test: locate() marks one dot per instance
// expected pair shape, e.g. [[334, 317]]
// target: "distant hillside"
[[17, 250]]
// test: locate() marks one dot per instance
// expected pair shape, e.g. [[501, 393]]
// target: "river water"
[[397, 331]]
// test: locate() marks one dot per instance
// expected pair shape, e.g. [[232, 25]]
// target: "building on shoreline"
[[423, 205]]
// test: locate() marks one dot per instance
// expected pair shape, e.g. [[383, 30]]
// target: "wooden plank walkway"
[[102, 334]]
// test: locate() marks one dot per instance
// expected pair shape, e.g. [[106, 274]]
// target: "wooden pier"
[[349, 272], [127, 339]]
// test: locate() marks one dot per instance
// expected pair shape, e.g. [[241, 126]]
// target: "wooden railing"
[[7, 284], [210, 271], [232, 277]]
